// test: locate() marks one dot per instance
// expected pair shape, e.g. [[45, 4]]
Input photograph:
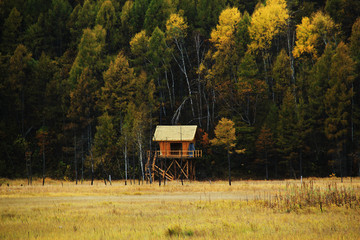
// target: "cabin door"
[[191, 150], [175, 149]]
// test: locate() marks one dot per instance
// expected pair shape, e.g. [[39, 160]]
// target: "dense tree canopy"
[[83, 85]]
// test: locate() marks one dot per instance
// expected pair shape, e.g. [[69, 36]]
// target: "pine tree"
[[264, 145], [118, 90], [19, 73], [287, 135], [90, 54], [137, 15], [338, 104], [105, 144], [139, 47], [11, 32], [156, 15], [318, 82], [281, 73], [106, 17], [208, 12]]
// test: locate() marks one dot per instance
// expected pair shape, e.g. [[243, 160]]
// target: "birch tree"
[[176, 31], [267, 22]]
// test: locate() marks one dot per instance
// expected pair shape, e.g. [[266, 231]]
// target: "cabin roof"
[[175, 133]]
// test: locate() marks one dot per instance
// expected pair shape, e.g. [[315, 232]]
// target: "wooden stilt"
[[176, 168]]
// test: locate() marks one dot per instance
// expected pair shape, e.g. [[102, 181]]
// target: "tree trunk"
[[169, 90], [266, 166], [125, 159], [292, 170], [159, 173], [198, 46], [75, 161], [22, 112], [133, 162], [208, 113], [103, 168], [183, 69], [28, 166], [228, 155], [213, 105], [173, 84], [91, 155], [82, 161], [30, 169], [118, 164], [162, 107], [92, 167], [181, 164], [291, 56], [300, 160], [43, 155], [141, 157], [165, 171], [150, 148]]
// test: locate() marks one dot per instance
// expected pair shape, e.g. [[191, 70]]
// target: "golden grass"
[[197, 210]]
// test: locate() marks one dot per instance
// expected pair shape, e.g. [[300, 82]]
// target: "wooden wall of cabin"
[[165, 147]]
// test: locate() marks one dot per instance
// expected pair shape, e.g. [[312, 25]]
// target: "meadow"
[[315, 209]]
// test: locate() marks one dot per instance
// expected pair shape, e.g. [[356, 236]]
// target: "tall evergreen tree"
[[287, 134], [106, 17], [90, 54], [338, 105], [11, 32], [156, 15]]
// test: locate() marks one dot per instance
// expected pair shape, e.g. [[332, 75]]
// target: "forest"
[[84, 83]]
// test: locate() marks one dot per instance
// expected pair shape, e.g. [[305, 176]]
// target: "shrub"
[[176, 230], [306, 195]]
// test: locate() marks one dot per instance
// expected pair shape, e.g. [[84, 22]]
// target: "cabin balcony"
[[176, 154]]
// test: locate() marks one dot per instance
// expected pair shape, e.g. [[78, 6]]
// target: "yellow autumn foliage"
[[139, 43], [176, 26], [224, 134], [266, 22], [222, 36], [306, 38], [312, 33]]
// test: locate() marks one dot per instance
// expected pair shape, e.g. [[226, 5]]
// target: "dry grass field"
[[317, 209]]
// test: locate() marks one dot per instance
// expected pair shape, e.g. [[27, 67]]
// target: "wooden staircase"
[[162, 173], [155, 169]]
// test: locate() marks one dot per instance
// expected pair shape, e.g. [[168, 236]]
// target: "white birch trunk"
[[140, 155]]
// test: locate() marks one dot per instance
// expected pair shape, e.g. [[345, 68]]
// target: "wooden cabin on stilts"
[[176, 156]]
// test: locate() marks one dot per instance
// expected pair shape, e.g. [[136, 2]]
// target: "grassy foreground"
[[318, 209]]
